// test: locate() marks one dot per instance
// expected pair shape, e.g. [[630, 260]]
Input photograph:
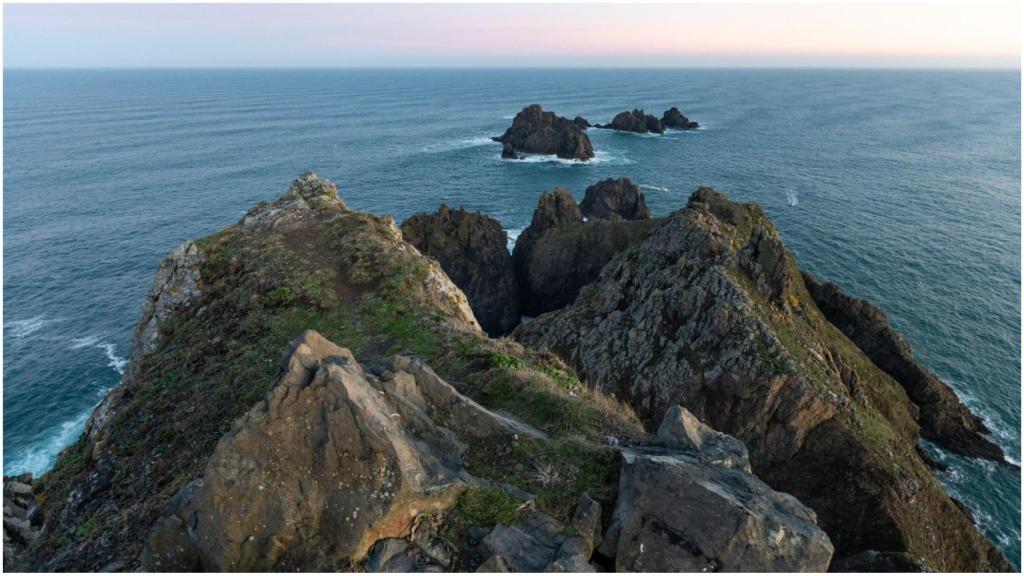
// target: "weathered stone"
[[710, 312], [22, 524], [943, 418], [309, 197], [675, 120], [581, 122], [681, 429], [391, 555], [472, 250], [509, 153], [325, 467], [613, 199], [585, 534], [535, 131], [496, 563]]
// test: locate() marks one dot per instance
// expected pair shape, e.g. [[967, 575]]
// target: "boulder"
[[675, 514], [680, 429], [558, 253], [333, 461], [535, 131], [710, 312], [943, 418], [614, 199], [636, 121], [472, 250], [675, 120], [539, 543]]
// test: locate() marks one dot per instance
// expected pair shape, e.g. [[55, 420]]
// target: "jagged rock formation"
[[711, 312], [21, 517], [472, 250], [496, 456], [675, 120], [943, 418], [636, 121], [581, 122], [559, 253], [333, 460], [614, 199], [535, 131]]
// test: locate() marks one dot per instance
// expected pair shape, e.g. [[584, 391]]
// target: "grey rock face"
[[710, 312], [615, 199], [309, 196], [333, 461], [682, 430], [539, 543], [472, 250], [22, 521], [559, 253], [177, 284], [675, 514], [535, 131]]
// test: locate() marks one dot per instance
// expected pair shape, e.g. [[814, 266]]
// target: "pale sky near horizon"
[[977, 34]]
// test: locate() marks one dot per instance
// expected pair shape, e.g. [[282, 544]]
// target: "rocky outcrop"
[[943, 418], [675, 514], [675, 120], [22, 520], [710, 312], [509, 153], [540, 543], [472, 250], [334, 460], [681, 430], [636, 121], [581, 122], [614, 199], [558, 253], [535, 131]]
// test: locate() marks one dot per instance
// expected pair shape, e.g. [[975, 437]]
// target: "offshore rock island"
[[313, 388]]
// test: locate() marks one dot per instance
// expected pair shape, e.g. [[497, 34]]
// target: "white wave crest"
[[653, 187], [110, 350], [513, 235], [459, 144], [39, 458], [22, 328], [600, 157], [791, 198]]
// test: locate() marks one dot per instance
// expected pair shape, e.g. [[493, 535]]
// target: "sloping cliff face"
[[711, 312], [394, 434]]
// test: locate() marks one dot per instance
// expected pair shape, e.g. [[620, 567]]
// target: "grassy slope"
[[347, 279]]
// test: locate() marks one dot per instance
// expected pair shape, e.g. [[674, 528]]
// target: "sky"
[[983, 34]]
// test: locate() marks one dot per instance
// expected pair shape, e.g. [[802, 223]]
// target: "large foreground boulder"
[[332, 461], [943, 418], [711, 312], [614, 199], [559, 253], [675, 120], [472, 250], [535, 131], [675, 514]]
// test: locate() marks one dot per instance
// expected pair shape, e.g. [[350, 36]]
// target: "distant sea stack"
[[535, 131], [675, 120], [636, 121]]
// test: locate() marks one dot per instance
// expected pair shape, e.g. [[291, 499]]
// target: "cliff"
[[311, 391]]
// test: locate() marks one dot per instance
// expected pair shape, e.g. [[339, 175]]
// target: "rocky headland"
[[311, 389], [535, 131]]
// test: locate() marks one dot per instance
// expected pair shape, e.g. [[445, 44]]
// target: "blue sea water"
[[901, 186]]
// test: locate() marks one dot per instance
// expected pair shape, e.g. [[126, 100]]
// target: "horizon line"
[[951, 67]]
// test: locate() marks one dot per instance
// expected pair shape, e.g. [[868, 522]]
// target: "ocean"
[[901, 186]]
